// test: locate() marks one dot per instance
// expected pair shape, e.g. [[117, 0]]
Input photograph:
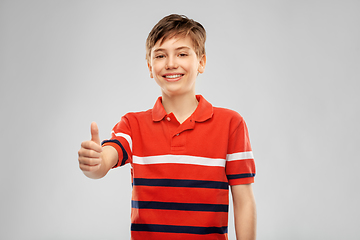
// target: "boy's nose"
[[171, 63]]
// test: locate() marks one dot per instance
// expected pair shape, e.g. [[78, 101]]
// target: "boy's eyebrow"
[[163, 49]]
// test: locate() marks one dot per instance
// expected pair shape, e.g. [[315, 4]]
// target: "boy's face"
[[174, 65]]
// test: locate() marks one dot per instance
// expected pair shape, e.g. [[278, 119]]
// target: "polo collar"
[[203, 112]]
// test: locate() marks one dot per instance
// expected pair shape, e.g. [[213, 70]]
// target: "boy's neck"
[[182, 106]]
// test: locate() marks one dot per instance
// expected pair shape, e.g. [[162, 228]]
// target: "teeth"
[[173, 76]]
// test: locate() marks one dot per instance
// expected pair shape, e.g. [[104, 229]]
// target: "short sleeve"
[[121, 140], [240, 164]]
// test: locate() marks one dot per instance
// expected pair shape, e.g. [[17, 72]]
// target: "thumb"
[[95, 133]]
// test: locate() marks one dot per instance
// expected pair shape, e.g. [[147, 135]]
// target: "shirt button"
[[178, 134], [168, 118]]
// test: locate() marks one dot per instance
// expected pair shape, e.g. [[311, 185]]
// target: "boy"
[[184, 153]]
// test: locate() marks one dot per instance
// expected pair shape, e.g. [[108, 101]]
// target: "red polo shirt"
[[181, 172]]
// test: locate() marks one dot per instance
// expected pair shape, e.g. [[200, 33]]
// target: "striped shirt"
[[181, 172]]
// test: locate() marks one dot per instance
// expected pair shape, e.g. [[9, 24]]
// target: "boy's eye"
[[182, 55], [159, 56]]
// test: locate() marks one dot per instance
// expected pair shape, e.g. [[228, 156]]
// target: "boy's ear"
[[149, 66], [202, 64]]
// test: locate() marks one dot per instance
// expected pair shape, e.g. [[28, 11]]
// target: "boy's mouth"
[[173, 77]]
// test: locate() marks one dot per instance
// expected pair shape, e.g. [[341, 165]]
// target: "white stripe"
[[127, 137], [239, 156], [183, 159]]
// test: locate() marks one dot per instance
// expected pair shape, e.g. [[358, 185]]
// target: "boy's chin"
[[177, 92]]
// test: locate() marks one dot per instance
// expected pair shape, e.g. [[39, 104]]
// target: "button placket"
[[178, 142]]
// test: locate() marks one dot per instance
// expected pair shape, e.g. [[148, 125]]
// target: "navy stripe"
[[177, 229], [125, 155], [201, 207], [180, 183], [243, 175]]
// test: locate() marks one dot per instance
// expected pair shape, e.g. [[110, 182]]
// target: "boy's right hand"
[[90, 152]]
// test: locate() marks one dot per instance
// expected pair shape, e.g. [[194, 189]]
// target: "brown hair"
[[177, 25]]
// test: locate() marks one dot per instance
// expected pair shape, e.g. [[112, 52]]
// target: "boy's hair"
[[176, 25]]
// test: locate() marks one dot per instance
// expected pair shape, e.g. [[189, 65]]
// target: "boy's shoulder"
[[139, 114], [227, 113]]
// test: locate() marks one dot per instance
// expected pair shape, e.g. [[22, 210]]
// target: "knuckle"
[[86, 168], [82, 167], [82, 162], [91, 154], [90, 161], [95, 154]]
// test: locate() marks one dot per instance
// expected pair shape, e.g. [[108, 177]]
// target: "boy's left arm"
[[244, 212]]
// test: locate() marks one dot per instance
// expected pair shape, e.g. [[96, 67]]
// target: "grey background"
[[291, 68]]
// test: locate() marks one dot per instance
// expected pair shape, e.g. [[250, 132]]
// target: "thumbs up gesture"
[[90, 152]]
